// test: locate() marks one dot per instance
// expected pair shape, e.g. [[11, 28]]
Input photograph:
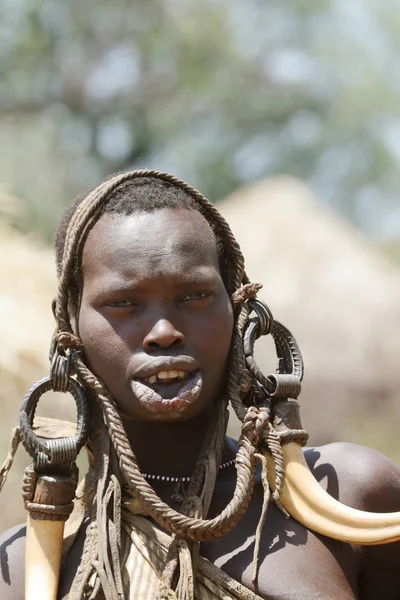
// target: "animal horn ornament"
[[49, 486], [307, 502], [301, 494]]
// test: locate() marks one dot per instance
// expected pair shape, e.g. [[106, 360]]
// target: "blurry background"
[[288, 109]]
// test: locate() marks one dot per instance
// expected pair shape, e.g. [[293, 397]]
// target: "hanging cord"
[[273, 444], [12, 450], [262, 519], [196, 504], [101, 553], [173, 521]]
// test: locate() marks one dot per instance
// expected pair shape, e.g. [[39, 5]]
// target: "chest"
[[294, 563]]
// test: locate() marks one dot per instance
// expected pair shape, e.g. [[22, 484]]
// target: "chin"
[[179, 415]]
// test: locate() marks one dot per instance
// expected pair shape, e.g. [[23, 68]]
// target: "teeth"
[[165, 375]]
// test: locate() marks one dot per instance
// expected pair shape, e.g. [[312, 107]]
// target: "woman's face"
[[155, 318]]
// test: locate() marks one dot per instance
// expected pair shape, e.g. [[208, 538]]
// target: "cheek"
[[101, 342], [223, 334], [216, 335]]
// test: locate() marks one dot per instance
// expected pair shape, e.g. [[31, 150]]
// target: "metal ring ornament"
[[250, 336], [287, 381], [59, 450], [264, 314], [288, 350], [60, 371]]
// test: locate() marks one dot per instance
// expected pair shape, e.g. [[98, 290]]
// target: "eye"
[[122, 303], [196, 296]]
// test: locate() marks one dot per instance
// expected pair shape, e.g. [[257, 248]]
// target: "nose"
[[163, 335]]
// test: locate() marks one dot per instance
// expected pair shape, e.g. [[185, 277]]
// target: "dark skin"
[[153, 298]]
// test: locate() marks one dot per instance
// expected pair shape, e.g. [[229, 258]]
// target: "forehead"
[[165, 240]]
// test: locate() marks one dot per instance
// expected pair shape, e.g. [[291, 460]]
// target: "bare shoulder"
[[359, 476], [367, 480], [12, 563]]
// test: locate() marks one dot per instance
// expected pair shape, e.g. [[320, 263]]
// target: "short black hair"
[[142, 194]]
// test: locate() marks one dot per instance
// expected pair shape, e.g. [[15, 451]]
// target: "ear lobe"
[[53, 306], [74, 322]]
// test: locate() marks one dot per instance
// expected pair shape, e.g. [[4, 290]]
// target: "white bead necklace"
[[181, 479]]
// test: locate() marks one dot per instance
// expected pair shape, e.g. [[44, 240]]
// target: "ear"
[[73, 318], [53, 306]]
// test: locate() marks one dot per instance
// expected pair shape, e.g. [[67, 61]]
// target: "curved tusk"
[[307, 502], [43, 558]]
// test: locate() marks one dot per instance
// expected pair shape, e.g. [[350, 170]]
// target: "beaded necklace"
[[182, 479]]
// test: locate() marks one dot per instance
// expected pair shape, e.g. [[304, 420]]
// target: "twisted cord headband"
[[101, 195], [175, 522]]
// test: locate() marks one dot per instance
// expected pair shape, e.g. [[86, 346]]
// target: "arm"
[[380, 572], [369, 481], [12, 563]]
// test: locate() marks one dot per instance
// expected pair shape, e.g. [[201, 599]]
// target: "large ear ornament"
[[286, 382], [50, 481], [301, 495]]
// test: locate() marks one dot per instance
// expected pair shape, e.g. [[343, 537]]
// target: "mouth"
[[168, 389]]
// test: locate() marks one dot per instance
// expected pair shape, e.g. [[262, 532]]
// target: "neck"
[[168, 448]]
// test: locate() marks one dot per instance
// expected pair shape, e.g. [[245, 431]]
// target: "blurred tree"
[[392, 249], [220, 93]]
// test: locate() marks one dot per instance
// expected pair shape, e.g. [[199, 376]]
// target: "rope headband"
[[98, 197]]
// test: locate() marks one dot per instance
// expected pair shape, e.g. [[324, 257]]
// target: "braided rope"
[[198, 498], [239, 379], [85, 568], [173, 521], [190, 523], [13, 447], [274, 445], [266, 495]]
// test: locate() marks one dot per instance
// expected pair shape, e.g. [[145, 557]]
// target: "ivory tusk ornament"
[[307, 502], [44, 540]]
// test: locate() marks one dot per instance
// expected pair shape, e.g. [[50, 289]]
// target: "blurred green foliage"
[[393, 250], [220, 93]]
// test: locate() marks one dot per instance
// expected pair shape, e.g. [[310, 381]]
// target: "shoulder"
[[359, 476], [370, 481], [12, 563]]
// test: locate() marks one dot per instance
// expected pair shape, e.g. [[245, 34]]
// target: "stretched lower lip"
[[155, 403]]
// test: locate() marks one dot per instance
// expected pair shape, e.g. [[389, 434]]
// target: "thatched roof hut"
[[341, 298], [27, 285]]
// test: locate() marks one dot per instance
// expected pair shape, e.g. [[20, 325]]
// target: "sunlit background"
[[287, 113]]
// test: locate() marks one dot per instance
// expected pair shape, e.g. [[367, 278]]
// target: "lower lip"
[[155, 403]]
